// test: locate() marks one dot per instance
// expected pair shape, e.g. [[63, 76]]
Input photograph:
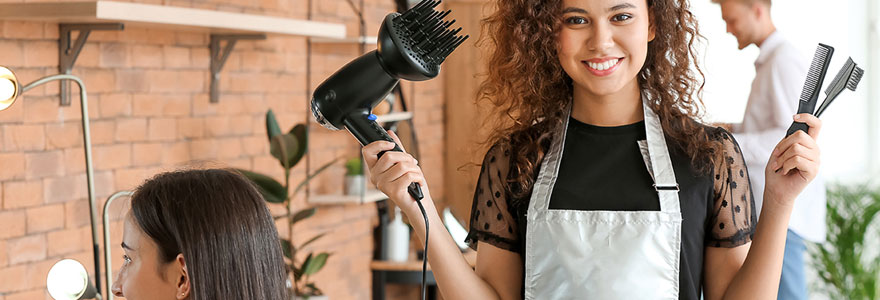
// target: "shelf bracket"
[[219, 54], [68, 50]]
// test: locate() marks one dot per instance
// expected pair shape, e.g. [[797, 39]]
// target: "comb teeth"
[[854, 79], [423, 28], [839, 82], [816, 73]]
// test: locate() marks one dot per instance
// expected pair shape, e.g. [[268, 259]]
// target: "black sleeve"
[[734, 218], [491, 220]]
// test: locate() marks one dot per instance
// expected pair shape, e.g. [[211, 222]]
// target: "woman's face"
[[143, 275], [602, 44]]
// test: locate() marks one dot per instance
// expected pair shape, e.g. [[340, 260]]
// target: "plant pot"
[[354, 185], [322, 297]]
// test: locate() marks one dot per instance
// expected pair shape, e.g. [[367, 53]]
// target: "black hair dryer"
[[411, 46]]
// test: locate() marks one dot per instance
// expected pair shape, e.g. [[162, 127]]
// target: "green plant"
[[847, 267], [289, 148], [354, 166]]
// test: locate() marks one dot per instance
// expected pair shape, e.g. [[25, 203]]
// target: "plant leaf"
[[303, 214], [315, 264], [283, 147], [287, 248], [272, 190], [272, 128], [303, 183], [312, 240], [301, 135]]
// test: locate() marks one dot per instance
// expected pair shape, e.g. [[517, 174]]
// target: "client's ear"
[[182, 280]]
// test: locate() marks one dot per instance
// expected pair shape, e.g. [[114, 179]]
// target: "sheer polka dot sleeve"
[[492, 218], [734, 218]]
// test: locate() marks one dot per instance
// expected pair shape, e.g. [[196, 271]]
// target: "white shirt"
[[779, 79]]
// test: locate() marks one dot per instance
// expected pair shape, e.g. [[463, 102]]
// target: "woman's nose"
[[602, 37], [116, 289]]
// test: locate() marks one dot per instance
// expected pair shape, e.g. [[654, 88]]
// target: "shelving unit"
[[136, 14]]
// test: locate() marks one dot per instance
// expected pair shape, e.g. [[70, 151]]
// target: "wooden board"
[[167, 16]]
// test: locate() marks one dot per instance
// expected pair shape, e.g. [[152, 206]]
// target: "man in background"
[[780, 74]]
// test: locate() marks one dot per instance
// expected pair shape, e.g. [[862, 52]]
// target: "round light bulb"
[[8, 88], [67, 280]]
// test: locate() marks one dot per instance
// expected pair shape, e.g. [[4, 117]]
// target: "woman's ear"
[[183, 281], [651, 27]]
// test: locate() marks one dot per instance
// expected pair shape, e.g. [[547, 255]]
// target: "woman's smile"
[[602, 66]]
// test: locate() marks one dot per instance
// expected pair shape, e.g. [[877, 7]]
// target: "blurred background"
[[152, 109]]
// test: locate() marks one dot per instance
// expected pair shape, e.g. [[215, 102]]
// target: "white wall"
[[846, 139]]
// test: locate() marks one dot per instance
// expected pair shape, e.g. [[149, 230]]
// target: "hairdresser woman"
[[200, 235], [600, 183]]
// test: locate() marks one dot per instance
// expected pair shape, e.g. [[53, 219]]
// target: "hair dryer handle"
[[365, 129]]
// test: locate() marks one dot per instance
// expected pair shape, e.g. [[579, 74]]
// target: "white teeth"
[[604, 65]]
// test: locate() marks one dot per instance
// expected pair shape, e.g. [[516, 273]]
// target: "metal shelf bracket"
[[68, 50], [219, 54]]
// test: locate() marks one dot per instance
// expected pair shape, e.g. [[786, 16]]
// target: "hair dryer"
[[411, 46]]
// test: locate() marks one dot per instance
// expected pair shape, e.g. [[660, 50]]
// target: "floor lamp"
[[63, 281]]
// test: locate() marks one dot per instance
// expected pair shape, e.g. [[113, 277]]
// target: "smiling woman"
[[200, 234]]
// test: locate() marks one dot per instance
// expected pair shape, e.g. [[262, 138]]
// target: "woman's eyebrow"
[[127, 247], [621, 6]]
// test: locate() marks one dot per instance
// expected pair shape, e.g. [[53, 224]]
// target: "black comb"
[[420, 39], [815, 78], [847, 78]]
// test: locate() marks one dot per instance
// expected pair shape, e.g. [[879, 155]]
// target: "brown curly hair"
[[529, 89]]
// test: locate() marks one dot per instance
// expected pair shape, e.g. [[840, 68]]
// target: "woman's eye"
[[126, 259], [621, 17], [576, 20]]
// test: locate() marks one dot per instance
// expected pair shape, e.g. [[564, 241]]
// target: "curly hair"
[[529, 90]]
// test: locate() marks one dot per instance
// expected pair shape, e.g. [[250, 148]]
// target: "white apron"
[[574, 254]]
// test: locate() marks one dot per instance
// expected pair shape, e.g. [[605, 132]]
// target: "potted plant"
[[848, 264], [289, 148], [354, 177]]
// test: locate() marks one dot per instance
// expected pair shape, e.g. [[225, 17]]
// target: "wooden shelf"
[[167, 16], [369, 196], [350, 40]]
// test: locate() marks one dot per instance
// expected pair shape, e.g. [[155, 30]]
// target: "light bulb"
[[8, 88], [67, 280]]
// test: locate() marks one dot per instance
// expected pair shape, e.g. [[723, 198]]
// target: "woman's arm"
[[494, 276], [753, 271]]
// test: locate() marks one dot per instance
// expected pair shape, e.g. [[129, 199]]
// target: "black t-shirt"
[[603, 169]]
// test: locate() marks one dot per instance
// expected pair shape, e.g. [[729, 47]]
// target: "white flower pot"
[[354, 185]]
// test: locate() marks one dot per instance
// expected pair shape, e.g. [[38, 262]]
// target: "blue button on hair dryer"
[[411, 46]]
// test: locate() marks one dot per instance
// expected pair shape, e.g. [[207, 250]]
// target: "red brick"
[[12, 53], [162, 129], [115, 105], [189, 38], [128, 179], [128, 80], [74, 160], [89, 56], [176, 57], [35, 278], [29, 295], [200, 58], [4, 258], [241, 125], [147, 105], [114, 55], [23, 30], [163, 81], [12, 114], [13, 224], [11, 278], [69, 241], [102, 132], [50, 31], [147, 154], [76, 215], [146, 56], [24, 137], [112, 156], [193, 81], [19, 194], [98, 80], [41, 54], [40, 109], [177, 105], [104, 185], [190, 128], [131, 130], [202, 105], [175, 153], [43, 164], [229, 148], [203, 149], [255, 145], [26, 249], [45, 218], [64, 189], [217, 126], [64, 135]]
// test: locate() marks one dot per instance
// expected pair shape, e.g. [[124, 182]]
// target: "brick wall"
[[149, 112]]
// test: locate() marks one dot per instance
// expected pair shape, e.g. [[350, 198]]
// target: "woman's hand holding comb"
[[793, 163]]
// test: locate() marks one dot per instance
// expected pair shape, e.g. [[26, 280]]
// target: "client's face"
[[143, 275]]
